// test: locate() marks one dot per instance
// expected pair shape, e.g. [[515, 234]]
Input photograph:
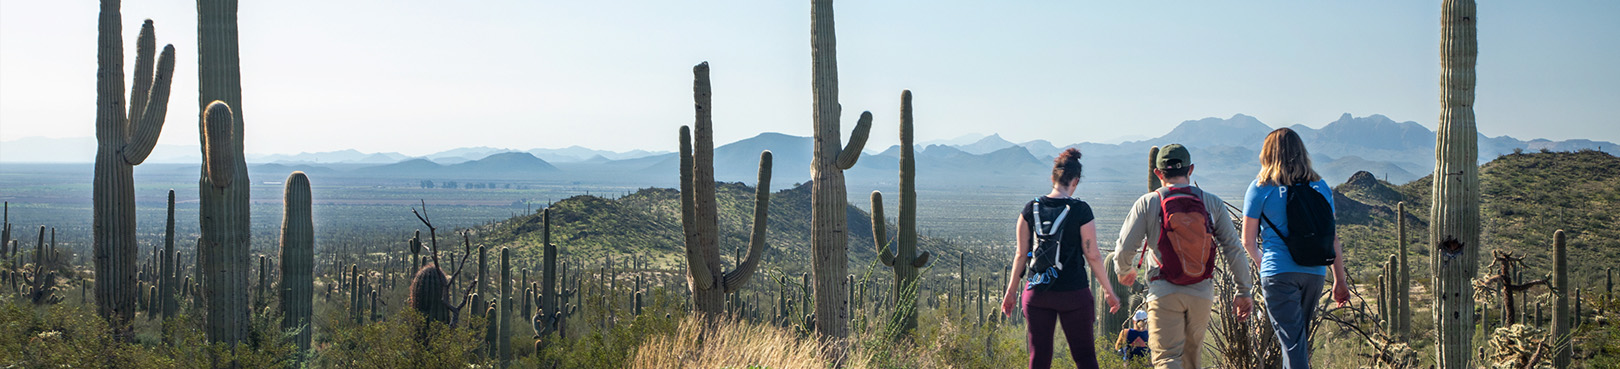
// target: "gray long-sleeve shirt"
[[1142, 224]]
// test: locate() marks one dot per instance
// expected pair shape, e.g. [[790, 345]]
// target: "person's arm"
[[1131, 235], [1010, 297], [1121, 341], [1341, 280], [1251, 238], [1088, 232], [1226, 235]]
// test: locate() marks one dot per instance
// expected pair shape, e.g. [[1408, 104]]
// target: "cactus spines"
[[1560, 314], [125, 135], [699, 210], [297, 259], [829, 233], [1454, 233]]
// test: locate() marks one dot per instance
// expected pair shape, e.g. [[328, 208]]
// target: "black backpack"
[[1310, 226], [1046, 255]]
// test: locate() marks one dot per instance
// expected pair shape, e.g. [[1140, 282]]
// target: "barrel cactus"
[[829, 229], [1454, 233], [125, 135], [709, 284], [297, 259]]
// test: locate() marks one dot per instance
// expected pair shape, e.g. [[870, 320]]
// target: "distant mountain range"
[[1225, 150]]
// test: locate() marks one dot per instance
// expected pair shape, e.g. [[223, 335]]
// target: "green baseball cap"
[[1173, 156]]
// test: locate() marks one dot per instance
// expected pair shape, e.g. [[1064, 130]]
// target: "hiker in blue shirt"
[[1291, 289]]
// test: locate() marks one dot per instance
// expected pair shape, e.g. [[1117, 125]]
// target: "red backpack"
[[1186, 237]]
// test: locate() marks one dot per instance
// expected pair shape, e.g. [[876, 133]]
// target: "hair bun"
[[1069, 154]]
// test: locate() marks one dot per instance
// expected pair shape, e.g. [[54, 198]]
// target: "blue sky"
[[422, 76]]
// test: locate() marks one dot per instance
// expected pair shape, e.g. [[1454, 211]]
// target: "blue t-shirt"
[[1273, 202]]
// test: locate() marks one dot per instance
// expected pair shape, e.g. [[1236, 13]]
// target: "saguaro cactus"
[[125, 136], [1403, 287], [1153, 178], [1454, 233], [905, 260], [699, 210], [166, 276], [224, 187], [1561, 320], [429, 293], [223, 248], [297, 258], [504, 340], [829, 230]]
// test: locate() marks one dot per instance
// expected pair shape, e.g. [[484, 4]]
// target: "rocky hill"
[[1524, 198]]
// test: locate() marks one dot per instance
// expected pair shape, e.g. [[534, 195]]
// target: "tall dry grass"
[[726, 343]]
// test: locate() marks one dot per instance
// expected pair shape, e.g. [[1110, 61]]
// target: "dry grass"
[[727, 343]]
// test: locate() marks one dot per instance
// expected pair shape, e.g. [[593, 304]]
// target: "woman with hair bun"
[[1057, 244]]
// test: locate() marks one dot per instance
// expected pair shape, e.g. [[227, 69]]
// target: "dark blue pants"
[[1042, 310], [1291, 299]]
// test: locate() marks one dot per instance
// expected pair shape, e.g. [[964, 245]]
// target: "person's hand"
[[1341, 294], [1007, 303], [1242, 306], [1113, 302], [1129, 278]]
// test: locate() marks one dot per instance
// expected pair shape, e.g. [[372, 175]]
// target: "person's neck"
[[1058, 193], [1178, 181]]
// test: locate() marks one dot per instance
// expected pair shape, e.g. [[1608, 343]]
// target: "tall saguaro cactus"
[[905, 260], [1561, 319], [1153, 178], [223, 248], [166, 277], [1454, 234], [125, 136], [1403, 287], [297, 258], [829, 230], [223, 201], [699, 209], [504, 340]]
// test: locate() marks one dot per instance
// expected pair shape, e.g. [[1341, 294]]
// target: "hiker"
[[1288, 211], [1132, 341], [1057, 244], [1180, 292]]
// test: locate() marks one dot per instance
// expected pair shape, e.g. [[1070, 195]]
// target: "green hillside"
[[646, 224], [1524, 198]]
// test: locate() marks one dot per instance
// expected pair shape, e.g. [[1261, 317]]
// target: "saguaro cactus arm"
[[880, 232], [857, 142], [149, 100], [756, 241], [218, 156], [689, 216]]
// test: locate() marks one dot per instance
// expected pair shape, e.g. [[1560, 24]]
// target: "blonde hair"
[[1284, 160]]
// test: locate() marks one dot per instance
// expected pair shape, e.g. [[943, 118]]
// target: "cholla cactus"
[[125, 136]]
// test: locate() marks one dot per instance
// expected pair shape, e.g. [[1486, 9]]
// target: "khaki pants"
[[1176, 326]]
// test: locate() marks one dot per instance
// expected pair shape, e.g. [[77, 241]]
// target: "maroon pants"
[[1076, 309]]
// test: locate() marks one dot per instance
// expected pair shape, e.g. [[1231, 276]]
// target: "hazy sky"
[[422, 76]]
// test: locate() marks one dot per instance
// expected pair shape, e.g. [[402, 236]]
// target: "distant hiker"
[[1057, 244], [1132, 342], [1288, 210], [1181, 227]]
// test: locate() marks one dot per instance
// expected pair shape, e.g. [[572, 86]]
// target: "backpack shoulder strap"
[[1263, 217]]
